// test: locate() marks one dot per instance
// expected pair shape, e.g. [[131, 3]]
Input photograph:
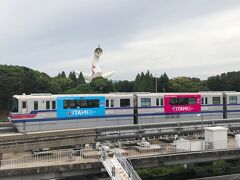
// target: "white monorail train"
[[42, 112]]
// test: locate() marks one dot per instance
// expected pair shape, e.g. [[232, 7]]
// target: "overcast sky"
[[196, 38]]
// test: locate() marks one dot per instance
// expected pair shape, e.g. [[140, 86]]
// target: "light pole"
[[200, 115], [156, 83]]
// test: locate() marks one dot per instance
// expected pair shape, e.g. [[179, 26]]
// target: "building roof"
[[216, 128]]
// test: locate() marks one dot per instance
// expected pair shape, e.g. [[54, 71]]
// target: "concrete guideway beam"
[[45, 134], [91, 168], [184, 158], [26, 142], [48, 139]]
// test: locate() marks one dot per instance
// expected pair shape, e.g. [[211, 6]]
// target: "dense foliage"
[[18, 80]]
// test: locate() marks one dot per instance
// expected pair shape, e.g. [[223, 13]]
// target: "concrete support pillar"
[[1, 155], [190, 165]]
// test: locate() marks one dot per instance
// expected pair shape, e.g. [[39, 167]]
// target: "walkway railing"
[[118, 167], [126, 166], [50, 158], [46, 158], [110, 166]]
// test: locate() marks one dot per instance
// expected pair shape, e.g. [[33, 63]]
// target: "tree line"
[[19, 79]]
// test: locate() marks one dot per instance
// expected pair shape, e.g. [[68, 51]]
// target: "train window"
[[107, 103], [191, 100], [182, 101], [65, 104], [161, 101], [47, 104], [53, 104], [72, 104], [145, 102], [206, 100], [112, 102], [124, 102], [24, 105], [35, 105], [202, 100], [14, 105], [232, 99], [157, 102], [216, 100], [173, 101], [91, 103]]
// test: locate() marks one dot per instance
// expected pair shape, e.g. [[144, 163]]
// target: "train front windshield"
[[14, 105]]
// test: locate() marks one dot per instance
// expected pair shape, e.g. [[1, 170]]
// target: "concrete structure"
[[215, 137], [183, 158], [188, 144], [95, 167], [27, 141], [96, 69], [118, 167], [48, 139], [237, 140]]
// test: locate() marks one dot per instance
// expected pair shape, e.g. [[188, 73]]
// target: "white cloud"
[[209, 41], [170, 37]]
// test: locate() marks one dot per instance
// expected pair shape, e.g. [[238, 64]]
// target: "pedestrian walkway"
[[118, 167]]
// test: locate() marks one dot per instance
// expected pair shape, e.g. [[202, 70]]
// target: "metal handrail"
[[126, 166]]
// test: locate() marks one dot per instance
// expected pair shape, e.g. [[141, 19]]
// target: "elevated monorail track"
[[73, 137], [39, 140], [163, 129], [5, 124], [170, 124], [6, 127]]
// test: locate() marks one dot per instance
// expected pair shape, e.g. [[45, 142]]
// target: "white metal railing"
[[126, 166], [44, 159], [87, 155], [110, 166]]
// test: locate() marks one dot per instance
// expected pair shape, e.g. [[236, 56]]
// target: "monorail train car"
[[42, 112], [231, 104], [166, 107]]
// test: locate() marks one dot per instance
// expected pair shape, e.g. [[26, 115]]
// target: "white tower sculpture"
[[96, 69]]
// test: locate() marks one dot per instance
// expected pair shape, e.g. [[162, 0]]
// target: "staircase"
[[118, 167]]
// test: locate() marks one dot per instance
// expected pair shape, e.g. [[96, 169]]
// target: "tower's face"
[[98, 52]]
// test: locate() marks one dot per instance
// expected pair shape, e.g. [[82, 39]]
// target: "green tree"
[[215, 83], [61, 84], [181, 84], [73, 77], [144, 82], [18, 80], [123, 86], [62, 75], [163, 83], [81, 79], [101, 85], [136, 83]]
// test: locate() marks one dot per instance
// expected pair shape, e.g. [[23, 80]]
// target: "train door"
[[24, 107], [135, 108], [224, 106]]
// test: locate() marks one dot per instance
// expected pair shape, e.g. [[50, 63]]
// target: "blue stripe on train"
[[110, 108], [40, 111], [233, 110], [157, 114]]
